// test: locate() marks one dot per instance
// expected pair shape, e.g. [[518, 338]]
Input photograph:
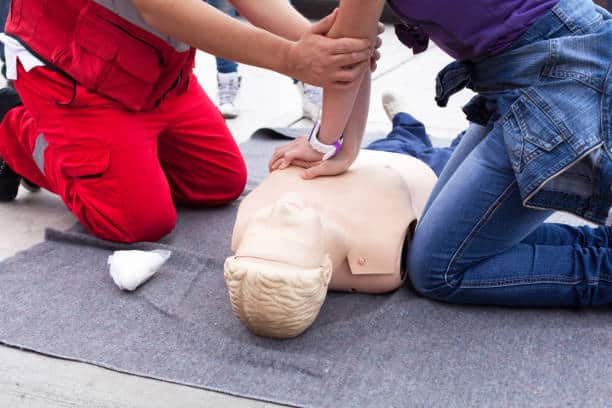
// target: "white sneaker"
[[392, 104], [228, 88], [312, 100]]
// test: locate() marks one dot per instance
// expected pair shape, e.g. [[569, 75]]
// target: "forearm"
[[205, 28], [284, 20], [359, 19], [355, 127]]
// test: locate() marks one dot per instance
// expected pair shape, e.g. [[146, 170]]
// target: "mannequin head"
[[278, 279]]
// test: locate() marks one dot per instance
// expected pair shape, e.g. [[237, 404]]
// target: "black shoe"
[[9, 98], [9, 182]]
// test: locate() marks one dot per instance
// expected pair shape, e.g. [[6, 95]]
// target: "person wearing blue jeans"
[[410, 137], [552, 265], [544, 104]]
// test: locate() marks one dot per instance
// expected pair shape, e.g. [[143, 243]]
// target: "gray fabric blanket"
[[397, 350]]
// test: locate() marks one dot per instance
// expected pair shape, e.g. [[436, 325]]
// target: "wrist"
[[325, 135], [286, 62], [328, 138], [350, 149], [328, 150]]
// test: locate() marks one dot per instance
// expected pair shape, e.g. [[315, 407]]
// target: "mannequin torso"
[[360, 219]]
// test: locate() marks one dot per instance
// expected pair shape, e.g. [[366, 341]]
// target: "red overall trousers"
[[121, 172], [115, 123]]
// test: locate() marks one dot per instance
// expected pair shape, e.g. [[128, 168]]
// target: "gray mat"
[[373, 351]]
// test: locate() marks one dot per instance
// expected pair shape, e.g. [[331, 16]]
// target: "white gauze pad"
[[130, 269]]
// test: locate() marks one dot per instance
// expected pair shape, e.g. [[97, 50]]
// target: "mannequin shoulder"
[[416, 175], [411, 169]]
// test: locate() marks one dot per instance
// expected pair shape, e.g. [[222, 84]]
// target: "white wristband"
[[328, 151]]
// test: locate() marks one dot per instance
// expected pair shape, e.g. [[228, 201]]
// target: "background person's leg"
[[477, 244], [228, 80], [202, 161], [410, 137], [225, 66]]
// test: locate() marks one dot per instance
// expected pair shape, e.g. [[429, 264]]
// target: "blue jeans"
[[477, 244], [225, 66], [409, 137]]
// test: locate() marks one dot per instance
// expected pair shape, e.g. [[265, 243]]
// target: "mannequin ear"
[[327, 270], [232, 272]]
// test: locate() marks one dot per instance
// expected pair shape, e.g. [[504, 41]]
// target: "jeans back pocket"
[[529, 130]]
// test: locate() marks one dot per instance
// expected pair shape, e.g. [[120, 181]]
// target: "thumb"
[[324, 25], [323, 169]]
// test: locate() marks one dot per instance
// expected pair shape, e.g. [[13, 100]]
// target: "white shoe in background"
[[312, 100], [392, 104], [228, 88]]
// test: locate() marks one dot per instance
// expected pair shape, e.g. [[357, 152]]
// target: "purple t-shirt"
[[466, 30]]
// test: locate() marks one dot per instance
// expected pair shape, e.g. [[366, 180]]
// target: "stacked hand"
[[300, 153], [332, 62]]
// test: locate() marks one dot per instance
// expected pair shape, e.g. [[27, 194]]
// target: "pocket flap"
[[91, 36], [85, 163], [109, 41], [141, 61], [536, 127]]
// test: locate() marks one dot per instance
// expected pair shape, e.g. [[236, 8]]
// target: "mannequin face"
[[278, 279], [288, 231]]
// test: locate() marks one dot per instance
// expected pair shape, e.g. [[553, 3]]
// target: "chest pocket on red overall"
[[115, 62]]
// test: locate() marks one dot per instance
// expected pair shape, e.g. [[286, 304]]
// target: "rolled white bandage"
[[130, 269]]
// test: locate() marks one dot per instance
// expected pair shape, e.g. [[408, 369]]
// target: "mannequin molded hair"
[[275, 299]]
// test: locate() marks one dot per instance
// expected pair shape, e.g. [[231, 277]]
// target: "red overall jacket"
[[105, 46]]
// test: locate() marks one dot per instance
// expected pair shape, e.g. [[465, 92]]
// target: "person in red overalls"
[[110, 117]]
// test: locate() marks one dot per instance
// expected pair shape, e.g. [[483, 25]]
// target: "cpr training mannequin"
[[294, 238]]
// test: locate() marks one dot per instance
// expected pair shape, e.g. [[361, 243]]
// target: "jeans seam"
[[519, 282], [569, 23], [486, 217]]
